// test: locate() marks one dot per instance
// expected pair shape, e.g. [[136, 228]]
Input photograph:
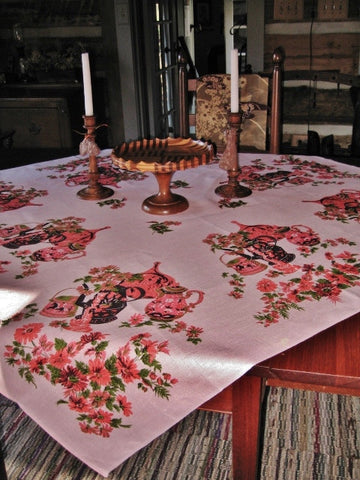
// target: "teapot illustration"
[[172, 303], [61, 305], [302, 235], [151, 281], [243, 264], [346, 200]]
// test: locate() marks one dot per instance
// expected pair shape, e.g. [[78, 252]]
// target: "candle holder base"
[[94, 191], [230, 161], [233, 189]]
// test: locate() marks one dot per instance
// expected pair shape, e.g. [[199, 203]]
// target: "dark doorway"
[[209, 36], [155, 27]]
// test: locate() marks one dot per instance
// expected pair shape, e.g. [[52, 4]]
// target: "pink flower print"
[[151, 349], [10, 354], [306, 283], [98, 373], [124, 405], [37, 363], [72, 379], [179, 327], [345, 255], [3, 262], [136, 319], [194, 332], [86, 428], [329, 255], [136, 338], [325, 289], [105, 431], [45, 344], [28, 332], [101, 417], [60, 358], [163, 347], [265, 285], [127, 368], [99, 398], [92, 337], [79, 404]]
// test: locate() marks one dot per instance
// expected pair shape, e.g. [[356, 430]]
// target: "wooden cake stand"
[[163, 157]]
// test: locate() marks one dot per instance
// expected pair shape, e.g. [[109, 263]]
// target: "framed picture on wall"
[[288, 9], [333, 10], [203, 13]]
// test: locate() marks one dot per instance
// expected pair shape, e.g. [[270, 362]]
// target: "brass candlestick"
[[230, 161], [94, 191]]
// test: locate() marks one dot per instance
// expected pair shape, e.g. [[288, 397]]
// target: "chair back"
[[203, 114]]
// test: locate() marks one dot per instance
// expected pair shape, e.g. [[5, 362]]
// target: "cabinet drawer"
[[38, 122]]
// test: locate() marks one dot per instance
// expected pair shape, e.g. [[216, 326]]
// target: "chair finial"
[[182, 60], [278, 56]]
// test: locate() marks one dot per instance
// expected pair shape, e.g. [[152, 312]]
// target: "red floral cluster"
[[263, 176], [12, 198], [316, 283], [313, 282], [191, 331], [75, 173], [95, 389]]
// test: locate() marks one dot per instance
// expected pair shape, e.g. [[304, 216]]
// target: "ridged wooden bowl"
[[162, 155]]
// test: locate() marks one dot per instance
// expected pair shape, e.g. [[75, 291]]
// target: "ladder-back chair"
[[209, 96]]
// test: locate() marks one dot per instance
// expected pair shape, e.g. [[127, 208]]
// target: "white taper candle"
[[87, 84], [234, 104]]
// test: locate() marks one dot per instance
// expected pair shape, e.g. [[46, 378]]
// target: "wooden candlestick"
[[94, 191], [230, 161]]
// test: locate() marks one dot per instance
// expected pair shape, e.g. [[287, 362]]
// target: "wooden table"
[[328, 362], [117, 242]]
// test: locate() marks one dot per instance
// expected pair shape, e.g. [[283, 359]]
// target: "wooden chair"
[[211, 98]]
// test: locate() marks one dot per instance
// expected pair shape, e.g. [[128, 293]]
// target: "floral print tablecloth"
[[115, 324]]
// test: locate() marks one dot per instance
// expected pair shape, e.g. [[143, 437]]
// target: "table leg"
[[3, 475], [247, 401]]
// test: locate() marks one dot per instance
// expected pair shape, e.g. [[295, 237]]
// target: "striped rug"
[[311, 436], [308, 436], [199, 447]]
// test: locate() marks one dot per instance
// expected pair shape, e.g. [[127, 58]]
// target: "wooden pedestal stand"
[[165, 202], [230, 162], [94, 191]]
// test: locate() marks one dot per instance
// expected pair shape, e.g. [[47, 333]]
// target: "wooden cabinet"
[[36, 122]]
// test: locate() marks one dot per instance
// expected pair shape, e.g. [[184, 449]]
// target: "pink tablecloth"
[[116, 323]]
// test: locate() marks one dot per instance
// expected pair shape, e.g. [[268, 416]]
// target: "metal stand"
[[94, 191], [230, 162]]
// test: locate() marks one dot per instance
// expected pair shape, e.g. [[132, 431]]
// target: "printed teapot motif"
[[13, 198], [172, 303], [342, 206], [113, 293], [254, 248], [67, 237]]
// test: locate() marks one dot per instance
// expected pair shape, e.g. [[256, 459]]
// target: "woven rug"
[[308, 436], [311, 436], [199, 447]]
